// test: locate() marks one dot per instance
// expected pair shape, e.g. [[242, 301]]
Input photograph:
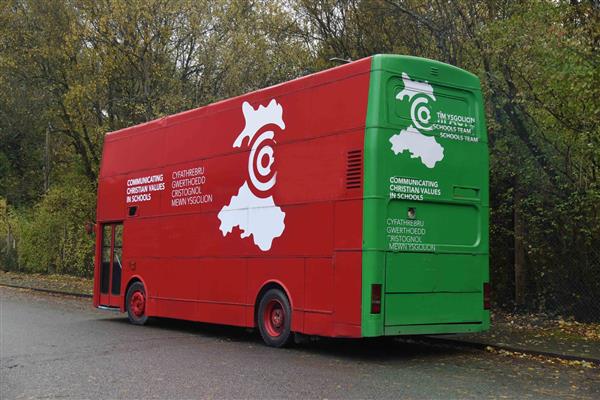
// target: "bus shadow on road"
[[382, 348], [365, 349]]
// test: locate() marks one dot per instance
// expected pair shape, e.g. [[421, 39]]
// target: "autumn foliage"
[[70, 71]]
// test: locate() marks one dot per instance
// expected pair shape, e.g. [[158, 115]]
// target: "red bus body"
[[179, 172]]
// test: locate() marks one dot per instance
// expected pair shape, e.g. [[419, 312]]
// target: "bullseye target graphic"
[[260, 163], [420, 112]]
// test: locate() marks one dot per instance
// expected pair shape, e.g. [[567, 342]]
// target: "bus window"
[[105, 265], [118, 250]]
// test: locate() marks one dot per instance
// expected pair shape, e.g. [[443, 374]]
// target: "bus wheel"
[[136, 304], [274, 318]]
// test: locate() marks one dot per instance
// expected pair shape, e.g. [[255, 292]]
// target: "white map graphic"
[[413, 87], [411, 139], [419, 145], [256, 216]]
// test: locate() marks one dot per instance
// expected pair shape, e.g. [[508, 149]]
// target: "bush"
[[53, 238], [8, 237]]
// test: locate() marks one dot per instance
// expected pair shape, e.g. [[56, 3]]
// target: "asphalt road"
[[60, 347]]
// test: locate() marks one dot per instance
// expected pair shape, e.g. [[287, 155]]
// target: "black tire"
[[135, 315], [272, 304]]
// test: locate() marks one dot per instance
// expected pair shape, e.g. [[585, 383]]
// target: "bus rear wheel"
[[274, 318], [135, 302]]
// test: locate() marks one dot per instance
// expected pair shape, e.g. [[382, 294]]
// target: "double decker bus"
[[348, 203]]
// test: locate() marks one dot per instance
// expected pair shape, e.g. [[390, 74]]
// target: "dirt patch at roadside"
[[61, 283]]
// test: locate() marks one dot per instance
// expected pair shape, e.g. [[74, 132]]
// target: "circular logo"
[[420, 112], [260, 162]]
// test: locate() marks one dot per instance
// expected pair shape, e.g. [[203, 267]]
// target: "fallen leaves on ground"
[[63, 283], [589, 331], [541, 325], [540, 358]]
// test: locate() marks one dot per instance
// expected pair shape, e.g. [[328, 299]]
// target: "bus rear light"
[[376, 298], [486, 296]]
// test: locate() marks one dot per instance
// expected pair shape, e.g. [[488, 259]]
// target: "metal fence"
[[558, 277]]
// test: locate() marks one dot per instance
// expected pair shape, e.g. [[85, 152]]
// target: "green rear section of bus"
[[425, 223]]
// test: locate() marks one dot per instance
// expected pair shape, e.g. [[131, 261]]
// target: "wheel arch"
[[132, 280], [272, 284]]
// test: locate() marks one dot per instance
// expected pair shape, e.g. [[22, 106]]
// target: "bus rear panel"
[[425, 228]]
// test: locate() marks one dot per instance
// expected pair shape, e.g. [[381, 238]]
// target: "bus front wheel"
[[274, 318], [136, 304]]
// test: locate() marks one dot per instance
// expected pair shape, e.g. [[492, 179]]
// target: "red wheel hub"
[[274, 318], [137, 303]]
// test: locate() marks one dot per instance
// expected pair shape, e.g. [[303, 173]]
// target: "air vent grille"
[[435, 71], [354, 169]]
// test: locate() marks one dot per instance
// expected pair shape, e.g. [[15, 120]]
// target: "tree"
[[74, 70]]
